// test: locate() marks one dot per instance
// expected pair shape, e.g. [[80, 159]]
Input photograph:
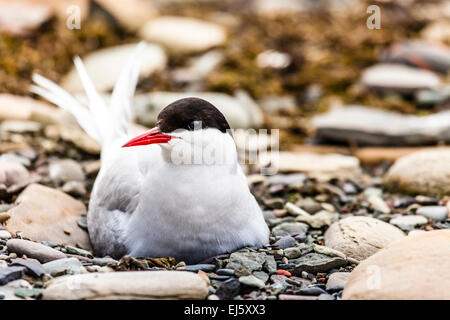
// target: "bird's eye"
[[195, 125]]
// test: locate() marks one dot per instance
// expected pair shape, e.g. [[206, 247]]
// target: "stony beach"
[[359, 207]]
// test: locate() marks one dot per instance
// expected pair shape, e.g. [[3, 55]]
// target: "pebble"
[[183, 35], [139, 285], [104, 261], [34, 250], [229, 289], [314, 263], [309, 205], [270, 264], [74, 188], [292, 253], [18, 126], [29, 293], [318, 220], [65, 170], [32, 266], [251, 281], [337, 279], [5, 235], [202, 267], [436, 213], [360, 237], [79, 252], [289, 229], [285, 242], [248, 261], [425, 172], [311, 291], [9, 274], [225, 272], [325, 296], [409, 222], [295, 297], [71, 264]]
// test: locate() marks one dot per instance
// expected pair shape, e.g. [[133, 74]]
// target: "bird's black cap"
[[182, 114]]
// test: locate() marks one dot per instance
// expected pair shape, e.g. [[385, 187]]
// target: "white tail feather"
[[100, 122]]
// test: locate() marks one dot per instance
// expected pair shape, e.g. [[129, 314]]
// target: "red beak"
[[150, 137]]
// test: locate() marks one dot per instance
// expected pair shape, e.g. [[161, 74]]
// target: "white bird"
[[176, 190]]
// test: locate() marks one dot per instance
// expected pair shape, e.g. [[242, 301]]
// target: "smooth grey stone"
[[436, 213], [9, 274], [314, 263]]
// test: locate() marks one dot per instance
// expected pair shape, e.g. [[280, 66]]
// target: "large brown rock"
[[412, 268], [361, 237], [45, 214], [128, 285], [424, 172]]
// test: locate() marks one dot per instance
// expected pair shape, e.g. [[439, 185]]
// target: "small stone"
[[261, 275], [225, 272], [28, 293], [378, 204], [408, 223], [270, 264], [34, 250], [203, 267], [325, 296], [104, 261], [183, 35], [285, 242], [249, 261], [74, 188], [296, 211], [17, 126], [360, 237], [436, 213], [314, 263], [295, 297], [229, 289], [309, 205], [10, 273], [312, 291], [5, 235], [318, 220], [65, 170], [32, 266], [139, 285], [289, 229], [292, 253], [251, 281], [337, 279], [79, 252], [328, 251]]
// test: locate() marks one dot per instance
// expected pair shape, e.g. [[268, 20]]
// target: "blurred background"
[[317, 70]]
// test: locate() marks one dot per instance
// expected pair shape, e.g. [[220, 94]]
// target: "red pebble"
[[284, 273]]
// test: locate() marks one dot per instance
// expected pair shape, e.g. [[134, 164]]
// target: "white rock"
[[21, 16], [408, 223], [320, 166], [105, 65], [131, 14], [5, 235], [128, 285], [360, 237], [183, 35], [64, 170], [398, 77], [423, 172]]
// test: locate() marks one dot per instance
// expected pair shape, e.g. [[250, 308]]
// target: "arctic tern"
[[147, 200]]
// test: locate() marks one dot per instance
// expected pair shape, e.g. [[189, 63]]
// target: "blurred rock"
[[13, 177], [273, 59], [319, 219], [437, 31], [275, 104], [65, 170], [236, 110], [321, 167], [418, 53], [199, 67], [408, 222], [139, 285], [26, 109], [17, 126], [105, 65], [44, 214], [391, 77], [422, 172], [34, 250], [183, 35], [75, 135], [409, 269], [369, 126], [130, 14], [271, 8], [21, 16], [360, 237]]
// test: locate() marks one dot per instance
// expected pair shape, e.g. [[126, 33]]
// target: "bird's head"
[[188, 125]]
